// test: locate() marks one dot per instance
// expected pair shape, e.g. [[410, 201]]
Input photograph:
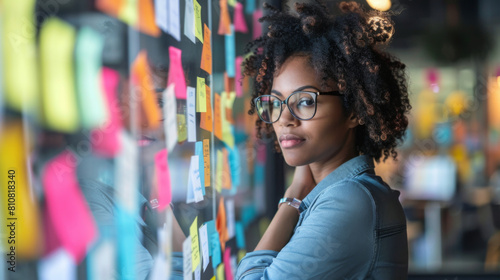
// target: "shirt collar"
[[348, 169]]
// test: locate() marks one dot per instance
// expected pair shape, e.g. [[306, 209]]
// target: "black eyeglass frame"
[[315, 94]]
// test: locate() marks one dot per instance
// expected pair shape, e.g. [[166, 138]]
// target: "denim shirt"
[[352, 227]]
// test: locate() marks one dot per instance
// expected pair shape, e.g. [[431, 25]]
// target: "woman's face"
[[328, 135]]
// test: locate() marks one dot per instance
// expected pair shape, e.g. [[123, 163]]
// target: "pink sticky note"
[[257, 28], [73, 222], [106, 139], [176, 73], [163, 179], [238, 87], [227, 264], [239, 19]]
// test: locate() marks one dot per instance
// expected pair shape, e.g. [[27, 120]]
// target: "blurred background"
[[85, 95]]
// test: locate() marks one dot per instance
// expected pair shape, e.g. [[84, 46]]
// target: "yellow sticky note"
[[201, 95], [227, 132], [218, 174], [181, 128], [231, 3], [213, 278], [128, 12], [19, 56], [195, 249], [197, 21], [59, 101], [220, 272]]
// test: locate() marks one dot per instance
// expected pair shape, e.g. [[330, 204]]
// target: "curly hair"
[[348, 50]]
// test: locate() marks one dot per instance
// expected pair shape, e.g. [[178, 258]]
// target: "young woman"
[[335, 102]]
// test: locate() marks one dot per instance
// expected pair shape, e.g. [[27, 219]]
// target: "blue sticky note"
[[235, 166], [259, 174], [240, 235], [125, 222], [230, 53], [250, 7], [210, 230], [248, 214], [198, 150], [216, 249]]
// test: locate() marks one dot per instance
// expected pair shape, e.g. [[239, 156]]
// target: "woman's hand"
[[302, 184]]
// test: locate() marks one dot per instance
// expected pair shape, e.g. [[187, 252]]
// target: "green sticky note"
[[231, 3], [181, 128], [197, 21], [59, 102], [88, 54], [201, 95], [195, 249], [128, 12], [19, 55]]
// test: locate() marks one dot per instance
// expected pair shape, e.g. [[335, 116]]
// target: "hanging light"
[[381, 5]]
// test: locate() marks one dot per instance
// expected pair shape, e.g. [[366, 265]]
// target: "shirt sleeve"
[[335, 241]]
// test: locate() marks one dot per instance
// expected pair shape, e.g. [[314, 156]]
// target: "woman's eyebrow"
[[298, 89]]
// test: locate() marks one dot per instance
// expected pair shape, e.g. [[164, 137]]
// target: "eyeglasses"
[[302, 105]]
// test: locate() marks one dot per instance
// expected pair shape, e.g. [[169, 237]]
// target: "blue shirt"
[[353, 227]]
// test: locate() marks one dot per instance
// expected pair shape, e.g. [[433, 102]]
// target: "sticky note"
[[186, 259], [194, 182], [230, 217], [238, 77], [217, 116], [231, 3], [249, 6], [181, 128], [141, 76], [106, 138], [126, 225], [227, 264], [198, 150], [128, 12], [230, 52], [220, 272], [235, 166], [126, 174], [20, 81], [191, 114], [197, 273], [59, 101], [218, 171], [174, 25], [161, 14], [206, 161], [224, 20], [66, 205], [197, 21], [257, 27], [163, 179], [210, 230], [239, 22], [190, 188], [228, 83], [88, 55], [226, 172], [206, 117], [170, 115], [221, 223], [189, 20], [176, 72], [206, 53], [146, 22], [195, 250], [216, 249], [241, 254], [201, 95], [110, 7], [57, 265], [204, 245]]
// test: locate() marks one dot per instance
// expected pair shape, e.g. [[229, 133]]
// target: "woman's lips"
[[290, 140], [145, 141]]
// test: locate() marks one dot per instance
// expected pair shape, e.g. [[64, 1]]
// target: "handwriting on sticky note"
[[191, 114], [201, 95], [206, 161], [198, 150], [206, 117], [217, 116], [195, 250], [204, 245], [67, 208], [194, 174], [197, 21], [187, 258], [206, 53], [176, 72], [163, 179]]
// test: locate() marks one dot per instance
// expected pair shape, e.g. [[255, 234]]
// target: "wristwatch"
[[294, 202]]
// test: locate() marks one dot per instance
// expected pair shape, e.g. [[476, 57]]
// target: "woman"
[[335, 102]]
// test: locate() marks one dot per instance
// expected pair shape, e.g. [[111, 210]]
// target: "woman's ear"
[[353, 121]]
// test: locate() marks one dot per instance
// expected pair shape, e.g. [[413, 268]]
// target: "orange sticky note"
[[217, 116], [206, 117], [163, 179], [225, 20], [206, 53], [206, 161], [228, 83], [142, 78], [110, 7], [220, 223], [67, 208], [226, 172], [106, 139], [146, 22]]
